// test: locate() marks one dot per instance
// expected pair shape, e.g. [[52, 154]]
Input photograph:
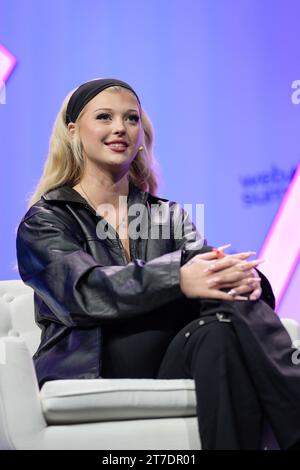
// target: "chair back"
[[17, 313]]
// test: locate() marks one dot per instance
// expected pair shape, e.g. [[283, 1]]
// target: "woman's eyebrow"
[[109, 109]]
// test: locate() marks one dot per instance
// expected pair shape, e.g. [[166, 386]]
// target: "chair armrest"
[[21, 417], [292, 327], [5, 319]]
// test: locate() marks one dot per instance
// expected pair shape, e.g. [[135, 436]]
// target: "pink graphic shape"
[[7, 63], [281, 249]]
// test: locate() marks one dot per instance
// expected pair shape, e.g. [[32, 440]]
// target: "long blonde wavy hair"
[[65, 162]]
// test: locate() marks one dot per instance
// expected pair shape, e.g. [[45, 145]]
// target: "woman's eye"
[[131, 117], [103, 116], [134, 117]]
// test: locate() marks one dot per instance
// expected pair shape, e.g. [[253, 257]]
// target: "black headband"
[[87, 91]]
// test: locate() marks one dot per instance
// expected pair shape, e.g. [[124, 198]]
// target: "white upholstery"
[[86, 414], [292, 328], [79, 401], [16, 301]]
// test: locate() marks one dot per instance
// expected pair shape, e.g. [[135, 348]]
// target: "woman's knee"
[[213, 333]]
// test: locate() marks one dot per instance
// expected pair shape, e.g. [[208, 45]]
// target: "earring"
[[141, 148]]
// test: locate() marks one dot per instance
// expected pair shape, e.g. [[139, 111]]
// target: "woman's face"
[[111, 116]]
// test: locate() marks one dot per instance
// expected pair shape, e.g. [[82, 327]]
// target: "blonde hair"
[[65, 163]]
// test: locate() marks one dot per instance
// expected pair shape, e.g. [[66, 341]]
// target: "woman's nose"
[[119, 126]]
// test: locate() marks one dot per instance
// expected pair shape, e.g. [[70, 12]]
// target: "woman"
[[114, 297]]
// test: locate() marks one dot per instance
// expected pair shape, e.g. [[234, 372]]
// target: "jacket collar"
[[68, 194]]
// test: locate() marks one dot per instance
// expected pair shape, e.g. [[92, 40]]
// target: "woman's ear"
[[71, 128]]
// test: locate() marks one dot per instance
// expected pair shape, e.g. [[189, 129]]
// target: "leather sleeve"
[[267, 292], [78, 290], [186, 235]]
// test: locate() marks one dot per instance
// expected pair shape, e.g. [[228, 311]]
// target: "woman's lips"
[[117, 148]]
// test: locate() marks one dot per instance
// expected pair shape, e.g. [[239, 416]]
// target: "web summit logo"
[[267, 186]]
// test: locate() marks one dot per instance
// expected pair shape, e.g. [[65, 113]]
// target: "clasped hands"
[[206, 274]]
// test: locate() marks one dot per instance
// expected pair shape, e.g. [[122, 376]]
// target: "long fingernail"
[[240, 297], [258, 261], [247, 264], [248, 253], [232, 292], [254, 280], [223, 247], [252, 297]]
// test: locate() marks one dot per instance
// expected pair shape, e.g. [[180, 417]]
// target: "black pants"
[[240, 373]]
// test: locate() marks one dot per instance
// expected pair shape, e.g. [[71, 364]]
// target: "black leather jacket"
[[82, 283]]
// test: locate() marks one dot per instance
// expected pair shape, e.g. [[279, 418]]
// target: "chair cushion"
[[91, 400]]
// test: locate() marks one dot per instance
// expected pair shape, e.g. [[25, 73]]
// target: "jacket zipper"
[[127, 260]]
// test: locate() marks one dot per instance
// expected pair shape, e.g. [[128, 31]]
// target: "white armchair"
[[87, 414]]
